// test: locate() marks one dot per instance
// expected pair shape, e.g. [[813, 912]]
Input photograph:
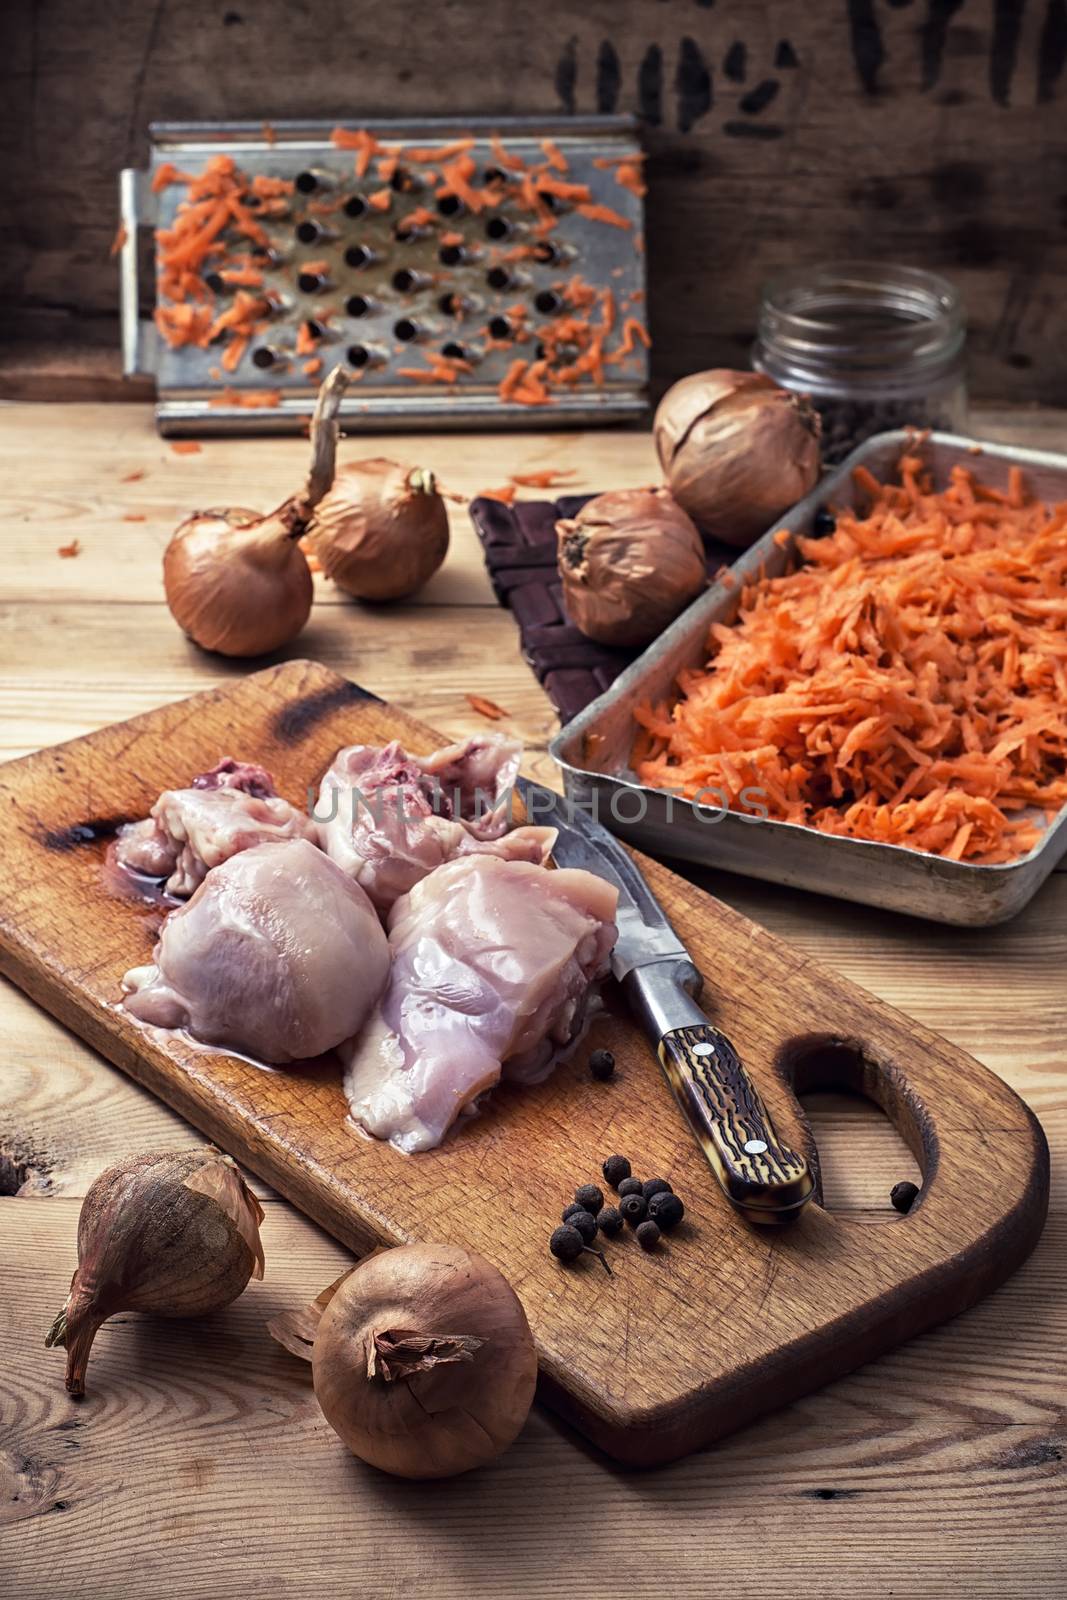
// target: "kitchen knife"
[[766, 1181]]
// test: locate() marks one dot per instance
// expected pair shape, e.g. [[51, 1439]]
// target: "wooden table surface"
[[209, 1471]]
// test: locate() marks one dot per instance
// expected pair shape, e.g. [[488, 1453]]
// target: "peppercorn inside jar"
[[875, 347]]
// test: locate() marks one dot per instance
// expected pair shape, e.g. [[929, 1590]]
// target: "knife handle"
[[761, 1177]]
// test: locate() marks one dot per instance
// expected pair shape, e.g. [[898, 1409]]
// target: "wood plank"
[[778, 136], [842, 1292], [201, 1456]]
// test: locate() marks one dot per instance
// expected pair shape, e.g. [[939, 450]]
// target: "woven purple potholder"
[[520, 552]]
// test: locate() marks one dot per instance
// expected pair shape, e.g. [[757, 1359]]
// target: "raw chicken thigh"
[[226, 810], [278, 954], [388, 818], [493, 966]]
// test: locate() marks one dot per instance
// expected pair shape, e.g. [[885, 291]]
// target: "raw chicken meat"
[[388, 818], [278, 954], [226, 810], [494, 964]]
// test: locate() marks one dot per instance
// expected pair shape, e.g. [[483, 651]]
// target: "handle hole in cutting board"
[[868, 1139]]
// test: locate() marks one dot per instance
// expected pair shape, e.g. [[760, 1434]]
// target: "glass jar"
[[874, 346]]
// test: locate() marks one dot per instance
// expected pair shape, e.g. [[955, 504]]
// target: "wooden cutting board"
[[676, 1348]]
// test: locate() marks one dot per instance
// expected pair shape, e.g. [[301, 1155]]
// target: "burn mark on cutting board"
[[650, 86], [1051, 49], [692, 83], [753, 130], [734, 64], [759, 98], [959, 185], [830, 1494], [932, 36], [608, 77], [295, 721], [79, 834], [866, 38], [1031, 1453], [1004, 50], [567, 74], [785, 56]]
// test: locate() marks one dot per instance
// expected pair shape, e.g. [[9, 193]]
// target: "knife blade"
[[763, 1179]]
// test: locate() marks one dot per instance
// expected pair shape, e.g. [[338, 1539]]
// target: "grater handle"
[[137, 352]]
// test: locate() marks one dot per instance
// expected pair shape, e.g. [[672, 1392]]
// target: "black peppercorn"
[[609, 1221], [585, 1223], [615, 1169], [904, 1195], [633, 1208], [569, 1211], [653, 1186], [566, 1244], [590, 1197], [648, 1235], [629, 1186], [602, 1064], [666, 1209]]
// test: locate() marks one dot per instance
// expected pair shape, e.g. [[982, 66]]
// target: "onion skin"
[[630, 561], [737, 451], [451, 1417], [238, 583], [172, 1233], [381, 531]]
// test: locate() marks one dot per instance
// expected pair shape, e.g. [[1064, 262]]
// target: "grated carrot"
[[381, 199], [599, 213], [543, 480], [486, 708], [555, 155], [505, 158], [506, 495], [313, 367], [907, 685], [185, 447], [119, 240], [68, 551]]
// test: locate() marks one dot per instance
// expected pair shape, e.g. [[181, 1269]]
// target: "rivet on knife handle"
[[763, 1178]]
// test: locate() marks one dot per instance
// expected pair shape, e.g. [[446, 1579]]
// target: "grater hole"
[[359, 255], [315, 328], [355, 206], [406, 330], [405, 280], [450, 205], [454, 351], [214, 283], [498, 278], [451, 305], [358, 355], [306, 183], [499, 328], [497, 228], [307, 232], [546, 252], [357, 305], [494, 175], [547, 302], [311, 282], [450, 255], [263, 358]]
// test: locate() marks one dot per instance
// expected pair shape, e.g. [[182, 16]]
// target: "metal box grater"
[[433, 302]]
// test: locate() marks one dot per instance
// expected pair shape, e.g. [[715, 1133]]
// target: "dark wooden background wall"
[[927, 131]]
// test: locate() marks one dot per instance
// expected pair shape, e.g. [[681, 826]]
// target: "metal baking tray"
[[192, 391], [594, 750]]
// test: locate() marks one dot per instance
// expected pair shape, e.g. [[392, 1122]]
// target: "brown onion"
[[175, 1233], [423, 1360], [238, 582], [737, 451], [382, 530], [630, 561]]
